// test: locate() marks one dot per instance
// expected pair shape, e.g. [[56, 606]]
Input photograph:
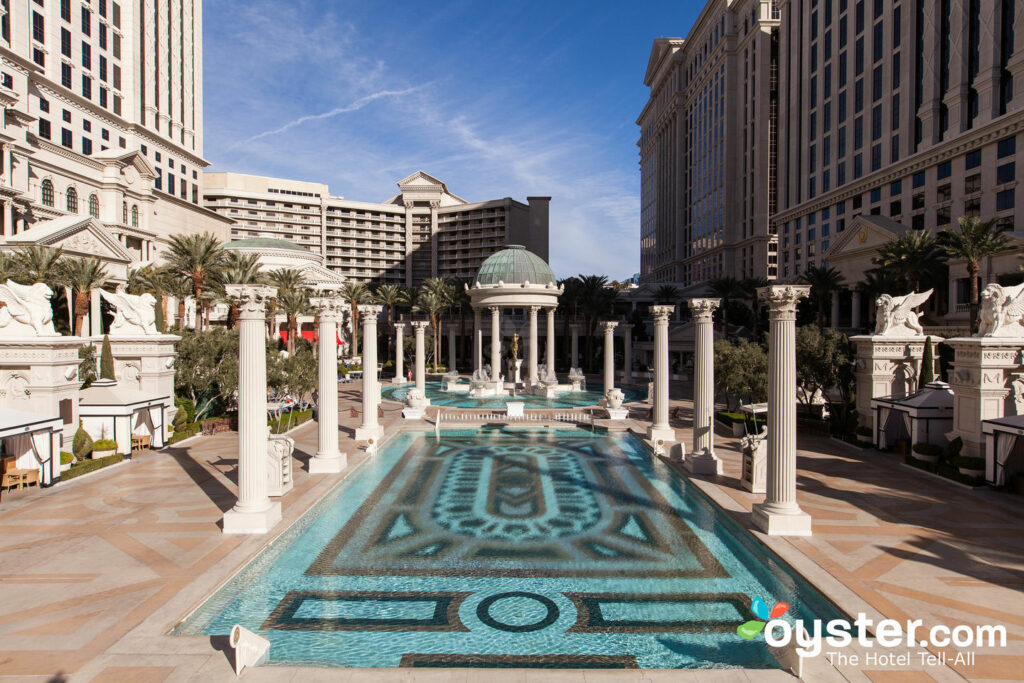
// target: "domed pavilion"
[[514, 278]]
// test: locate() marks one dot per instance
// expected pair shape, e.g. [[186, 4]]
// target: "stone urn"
[[415, 398], [614, 398]]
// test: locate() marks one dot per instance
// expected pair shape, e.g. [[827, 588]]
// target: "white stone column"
[[95, 313], [835, 310], [532, 350], [627, 352], [660, 428], [478, 340], [496, 345], [451, 348], [702, 459], [609, 355], [779, 514], [575, 348], [855, 309], [550, 342], [399, 353], [420, 370], [370, 429], [328, 459], [254, 513]]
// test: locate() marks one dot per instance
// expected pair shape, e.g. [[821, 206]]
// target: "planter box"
[[102, 454], [930, 459], [735, 429], [65, 468], [971, 473]]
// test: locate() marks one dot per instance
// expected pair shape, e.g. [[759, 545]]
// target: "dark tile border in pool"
[[445, 617], [416, 660], [590, 618]]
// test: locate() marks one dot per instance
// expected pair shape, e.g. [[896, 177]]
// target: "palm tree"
[[82, 275], [180, 288], [726, 288], [356, 293], [973, 241], [389, 295], [824, 282], [38, 263], [198, 258], [293, 303], [569, 302], [596, 300], [239, 269], [285, 280], [910, 258], [441, 295], [8, 267], [666, 294]]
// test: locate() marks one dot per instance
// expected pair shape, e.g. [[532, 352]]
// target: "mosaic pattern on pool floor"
[[539, 548], [439, 397]]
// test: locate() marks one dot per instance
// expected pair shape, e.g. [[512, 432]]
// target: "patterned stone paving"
[[94, 573]]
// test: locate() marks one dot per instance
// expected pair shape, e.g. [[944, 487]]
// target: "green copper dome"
[[264, 243], [514, 265]]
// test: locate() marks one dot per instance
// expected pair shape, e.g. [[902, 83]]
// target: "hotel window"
[[943, 217], [917, 222], [86, 87], [86, 146], [895, 71], [858, 166], [876, 84], [65, 75], [858, 133], [841, 142], [917, 202], [895, 208], [894, 149], [72, 200], [943, 193], [842, 68], [842, 31], [1006, 173], [115, 14], [66, 138], [86, 55], [895, 188], [972, 207], [103, 36], [859, 13], [124, 213], [38, 28], [44, 129], [944, 170], [135, 216], [159, 181], [876, 157], [94, 206], [858, 96], [1004, 200], [972, 184], [858, 56], [876, 195], [876, 122], [877, 43], [65, 42], [170, 183], [65, 10], [918, 180], [86, 21], [46, 193], [103, 68], [1007, 147]]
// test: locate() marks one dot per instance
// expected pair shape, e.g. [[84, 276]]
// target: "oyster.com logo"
[[750, 629]]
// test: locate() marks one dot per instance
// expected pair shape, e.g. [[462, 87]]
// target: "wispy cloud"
[[354, 106]]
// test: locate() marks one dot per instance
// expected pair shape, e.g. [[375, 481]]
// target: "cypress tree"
[[927, 365], [106, 360], [159, 307]]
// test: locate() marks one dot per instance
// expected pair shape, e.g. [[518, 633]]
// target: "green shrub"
[[180, 420], [185, 432], [730, 418], [104, 445], [970, 463], [66, 457], [85, 466], [106, 360], [82, 444], [864, 431], [185, 404], [388, 365], [297, 418], [953, 449], [928, 449]]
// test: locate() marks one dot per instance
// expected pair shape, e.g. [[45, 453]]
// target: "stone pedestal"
[[254, 513], [609, 355], [886, 366], [660, 430], [328, 459], [370, 428], [145, 363], [399, 353], [515, 366], [779, 514], [702, 459], [984, 377]]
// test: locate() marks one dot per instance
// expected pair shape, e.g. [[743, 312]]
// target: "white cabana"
[[924, 417], [1004, 450], [33, 441], [109, 411]]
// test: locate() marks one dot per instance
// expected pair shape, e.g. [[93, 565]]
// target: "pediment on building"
[[662, 48], [134, 166], [76, 236], [863, 234], [319, 276]]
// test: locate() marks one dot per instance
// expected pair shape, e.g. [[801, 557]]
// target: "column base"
[[328, 464], [773, 523], [703, 463], [399, 380], [367, 433], [666, 434], [617, 413], [239, 522], [413, 413]]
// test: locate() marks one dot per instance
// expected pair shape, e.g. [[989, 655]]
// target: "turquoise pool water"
[[510, 548], [439, 397]]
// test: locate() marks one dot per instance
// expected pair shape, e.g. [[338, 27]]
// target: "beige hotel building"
[[707, 143], [423, 231]]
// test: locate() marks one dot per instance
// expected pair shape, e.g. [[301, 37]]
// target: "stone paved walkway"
[[95, 572]]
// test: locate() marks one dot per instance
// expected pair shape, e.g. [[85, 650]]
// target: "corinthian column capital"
[[609, 326], [251, 299], [703, 309], [329, 308], [782, 299], [662, 313], [369, 312]]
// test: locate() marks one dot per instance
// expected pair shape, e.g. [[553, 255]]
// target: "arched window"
[[135, 216], [94, 206], [47, 193], [124, 213], [72, 200]]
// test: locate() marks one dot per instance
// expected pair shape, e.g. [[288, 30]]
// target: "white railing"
[[569, 416]]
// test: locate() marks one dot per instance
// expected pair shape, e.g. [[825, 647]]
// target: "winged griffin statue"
[[1002, 311], [895, 315], [134, 314], [27, 312]]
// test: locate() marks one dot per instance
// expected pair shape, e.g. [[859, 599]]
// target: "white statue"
[[614, 398], [1002, 311], [896, 316], [28, 312], [133, 314], [1017, 385]]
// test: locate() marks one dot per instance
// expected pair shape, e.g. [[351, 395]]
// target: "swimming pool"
[[439, 397], [510, 548]]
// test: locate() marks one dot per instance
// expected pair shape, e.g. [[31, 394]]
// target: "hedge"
[[184, 433], [66, 457], [104, 445], [730, 418], [86, 466], [923, 448], [970, 463], [297, 418]]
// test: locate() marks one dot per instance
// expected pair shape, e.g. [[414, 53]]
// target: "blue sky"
[[496, 99]]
